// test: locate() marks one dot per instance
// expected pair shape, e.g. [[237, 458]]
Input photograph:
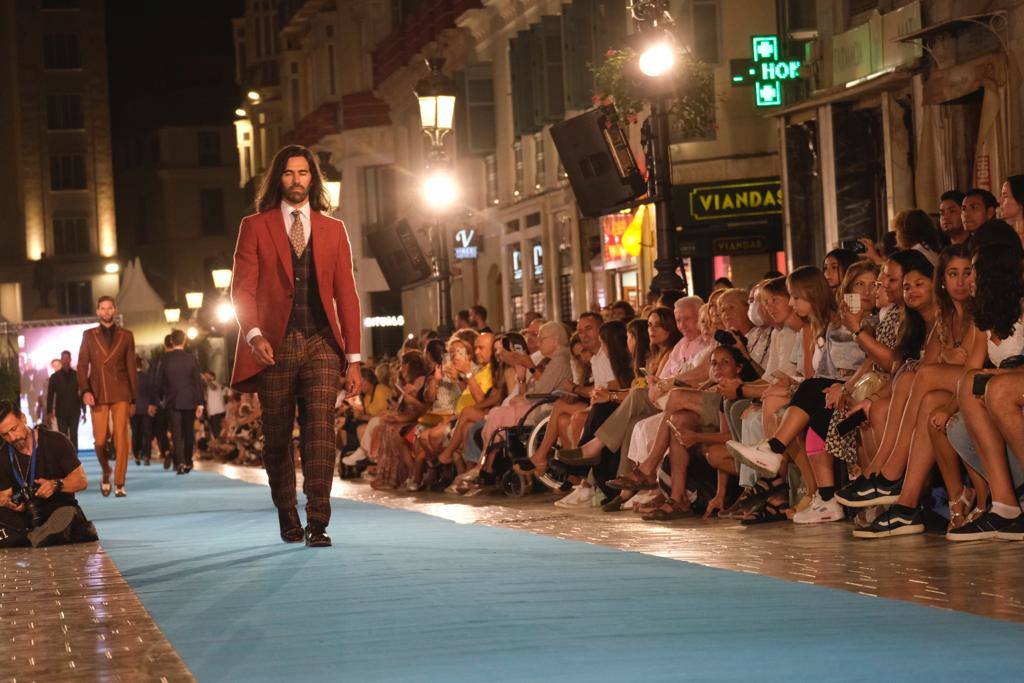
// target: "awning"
[[882, 81]]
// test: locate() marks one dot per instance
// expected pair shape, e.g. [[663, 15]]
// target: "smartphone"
[[978, 389], [852, 302], [852, 421], [856, 246]]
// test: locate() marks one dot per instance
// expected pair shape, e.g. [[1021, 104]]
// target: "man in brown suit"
[[108, 381]]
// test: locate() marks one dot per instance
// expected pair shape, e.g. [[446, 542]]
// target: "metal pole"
[[444, 279], [660, 175]]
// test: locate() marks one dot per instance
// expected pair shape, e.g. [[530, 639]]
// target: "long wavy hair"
[[642, 349], [854, 271], [270, 195], [613, 336], [808, 282], [667, 320], [999, 290], [947, 309], [913, 333]]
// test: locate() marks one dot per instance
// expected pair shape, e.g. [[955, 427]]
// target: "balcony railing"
[[399, 46]]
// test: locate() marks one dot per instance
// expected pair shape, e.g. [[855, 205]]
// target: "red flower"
[[631, 118], [610, 53], [595, 100]]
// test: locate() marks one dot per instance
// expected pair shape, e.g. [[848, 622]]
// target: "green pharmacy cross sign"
[[766, 71]]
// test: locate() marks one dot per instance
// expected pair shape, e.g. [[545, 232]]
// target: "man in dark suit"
[[181, 389], [63, 400], [161, 424], [298, 312], [142, 421]]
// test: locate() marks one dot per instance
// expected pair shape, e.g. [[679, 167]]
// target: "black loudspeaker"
[[399, 255], [599, 162]]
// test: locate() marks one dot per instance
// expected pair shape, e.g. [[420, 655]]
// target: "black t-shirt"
[[55, 459]]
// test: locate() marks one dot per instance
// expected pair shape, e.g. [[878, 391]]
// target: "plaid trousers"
[[306, 372]]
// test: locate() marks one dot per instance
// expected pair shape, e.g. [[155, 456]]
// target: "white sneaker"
[[759, 456], [581, 497], [411, 486], [354, 458], [820, 511]]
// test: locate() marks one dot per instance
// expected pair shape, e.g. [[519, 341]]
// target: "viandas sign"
[[721, 201]]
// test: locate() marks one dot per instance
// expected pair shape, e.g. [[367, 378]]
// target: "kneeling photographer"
[[39, 476]]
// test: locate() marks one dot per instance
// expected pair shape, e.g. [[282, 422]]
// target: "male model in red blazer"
[[298, 312]]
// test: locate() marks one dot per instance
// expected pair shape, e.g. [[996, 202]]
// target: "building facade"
[[179, 204], [55, 148]]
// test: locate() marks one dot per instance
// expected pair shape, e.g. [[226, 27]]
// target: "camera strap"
[[16, 469]]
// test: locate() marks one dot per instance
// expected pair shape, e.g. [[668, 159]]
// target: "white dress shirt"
[[307, 228]]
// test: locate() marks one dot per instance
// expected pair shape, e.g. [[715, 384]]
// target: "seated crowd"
[[885, 387]]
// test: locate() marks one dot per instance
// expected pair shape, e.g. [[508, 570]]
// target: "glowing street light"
[[225, 312], [112, 267], [241, 113], [436, 95], [657, 59], [172, 313], [194, 300], [221, 277], [253, 96], [191, 332], [439, 190]]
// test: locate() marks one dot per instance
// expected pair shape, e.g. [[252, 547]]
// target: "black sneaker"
[[989, 525], [875, 491], [898, 520], [855, 491]]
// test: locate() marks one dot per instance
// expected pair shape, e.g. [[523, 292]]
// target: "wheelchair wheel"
[[536, 436], [514, 485]]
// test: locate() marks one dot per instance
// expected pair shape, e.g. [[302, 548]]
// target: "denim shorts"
[[956, 431]]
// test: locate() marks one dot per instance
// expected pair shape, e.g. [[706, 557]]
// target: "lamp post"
[[436, 95], [657, 62]]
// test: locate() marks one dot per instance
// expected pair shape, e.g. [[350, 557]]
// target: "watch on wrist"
[[58, 485]]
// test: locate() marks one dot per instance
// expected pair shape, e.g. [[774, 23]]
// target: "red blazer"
[[263, 283]]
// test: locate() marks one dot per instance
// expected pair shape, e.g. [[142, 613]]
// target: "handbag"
[[868, 384]]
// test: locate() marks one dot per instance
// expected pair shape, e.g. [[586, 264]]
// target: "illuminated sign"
[[384, 321], [613, 229], [467, 244], [538, 260], [767, 71], [735, 246], [721, 201]]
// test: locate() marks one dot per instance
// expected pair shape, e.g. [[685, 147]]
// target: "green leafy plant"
[[691, 105]]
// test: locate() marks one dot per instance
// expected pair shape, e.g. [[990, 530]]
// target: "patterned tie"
[[296, 235]]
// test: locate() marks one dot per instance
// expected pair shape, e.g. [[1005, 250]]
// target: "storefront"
[[729, 229], [617, 275]]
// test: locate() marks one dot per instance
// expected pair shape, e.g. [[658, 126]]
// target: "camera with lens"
[[27, 497]]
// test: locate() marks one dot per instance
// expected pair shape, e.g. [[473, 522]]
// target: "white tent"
[[136, 294]]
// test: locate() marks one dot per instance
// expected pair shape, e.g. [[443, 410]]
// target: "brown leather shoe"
[[291, 525], [316, 536], [633, 482]]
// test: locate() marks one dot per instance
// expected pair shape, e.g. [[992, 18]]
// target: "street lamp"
[[194, 300], [172, 313], [221, 277], [436, 96], [656, 62]]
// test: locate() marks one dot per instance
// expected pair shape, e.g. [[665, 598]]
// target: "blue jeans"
[[472, 451]]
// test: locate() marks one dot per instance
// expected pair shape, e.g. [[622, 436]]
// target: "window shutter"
[[474, 111], [521, 62], [578, 53], [609, 22], [550, 34]]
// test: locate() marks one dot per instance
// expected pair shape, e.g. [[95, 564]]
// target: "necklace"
[[963, 331]]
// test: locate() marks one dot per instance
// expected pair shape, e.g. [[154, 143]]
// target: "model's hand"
[[261, 350], [46, 488], [151, 410], [49, 418], [199, 412], [88, 399], [353, 378]]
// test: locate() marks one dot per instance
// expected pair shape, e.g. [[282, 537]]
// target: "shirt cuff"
[[252, 334], [354, 357]]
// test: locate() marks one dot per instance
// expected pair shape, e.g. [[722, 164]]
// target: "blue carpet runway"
[[408, 597]]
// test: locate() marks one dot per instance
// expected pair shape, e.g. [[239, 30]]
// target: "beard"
[[296, 193]]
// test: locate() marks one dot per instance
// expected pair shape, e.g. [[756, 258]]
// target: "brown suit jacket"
[[108, 373]]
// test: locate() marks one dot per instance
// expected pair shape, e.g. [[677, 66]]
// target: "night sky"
[[171, 63]]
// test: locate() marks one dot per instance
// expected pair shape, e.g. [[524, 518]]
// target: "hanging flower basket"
[[691, 106]]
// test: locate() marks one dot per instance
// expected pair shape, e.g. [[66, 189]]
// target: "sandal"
[[633, 482], [751, 498], [675, 511], [769, 512], [652, 505], [964, 503]]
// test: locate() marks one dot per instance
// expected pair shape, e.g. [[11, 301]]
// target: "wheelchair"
[[510, 446]]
